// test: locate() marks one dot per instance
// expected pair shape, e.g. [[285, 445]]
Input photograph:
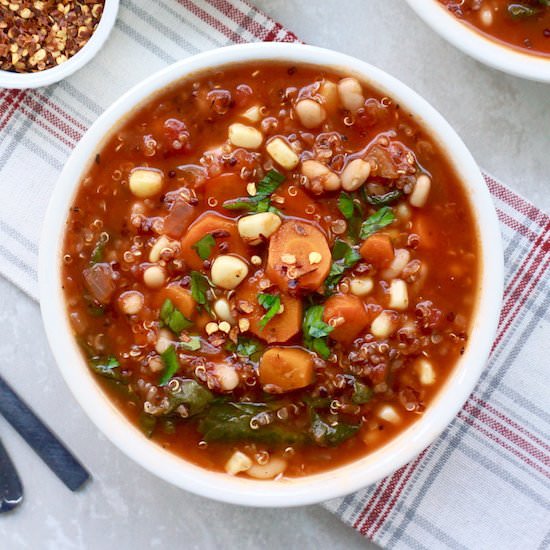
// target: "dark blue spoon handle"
[[46, 445], [11, 490]]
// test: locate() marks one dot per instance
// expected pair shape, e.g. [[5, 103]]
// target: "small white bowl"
[[490, 52], [46, 77], [309, 489]]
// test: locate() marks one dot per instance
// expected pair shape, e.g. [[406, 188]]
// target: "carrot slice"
[[348, 316], [377, 250], [298, 258], [280, 328], [286, 368], [225, 233]]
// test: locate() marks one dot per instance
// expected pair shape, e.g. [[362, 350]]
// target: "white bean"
[[399, 295], [329, 92], [315, 170], [239, 462], [310, 113], [227, 377], [351, 94], [241, 135], [223, 311], [154, 276], [383, 325], [425, 371], [355, 174], [361, 286], [256, 228], [389, 414], [164, 340], [252, 114], [421, 190], [145, 182], [131, 302], [400, 260], [270, 470], [282, 153], [228, 272]]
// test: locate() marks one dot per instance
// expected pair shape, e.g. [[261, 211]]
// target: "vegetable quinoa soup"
[[271, 269], [522, 25]]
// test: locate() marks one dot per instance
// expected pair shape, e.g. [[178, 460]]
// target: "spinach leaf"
[[107, 367], [173, 318], [171, 365], [361, 393], [260, 202], [147, 423], [190, 393], [272, 304], [203, 247], [315, 331], [385, 199], [330, 435], [377, 221], [199, 287], [344, 257], [231, 422]]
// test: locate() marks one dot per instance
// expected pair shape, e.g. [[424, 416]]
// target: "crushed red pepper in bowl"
[[36, 35]]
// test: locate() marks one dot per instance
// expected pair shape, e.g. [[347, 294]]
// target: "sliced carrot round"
[[298, 257], [348, 316]]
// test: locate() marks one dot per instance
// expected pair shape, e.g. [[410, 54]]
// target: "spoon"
[[11, 490]]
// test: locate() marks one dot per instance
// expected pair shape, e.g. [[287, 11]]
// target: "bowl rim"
[[21, 81], [488, 51], [296, 491]]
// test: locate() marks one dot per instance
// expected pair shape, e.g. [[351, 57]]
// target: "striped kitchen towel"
[[485, 483]]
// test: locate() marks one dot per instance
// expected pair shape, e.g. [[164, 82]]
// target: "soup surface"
[[271, 269], [524, 25]]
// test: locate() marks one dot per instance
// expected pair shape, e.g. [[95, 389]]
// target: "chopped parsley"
[[171, 365], [203, 247], [199, 288], [377, 221], [343, 257], [272, 304], [316, 331], [260, 202], [346, 205], [193, 344], [385, 199], [173, 318]]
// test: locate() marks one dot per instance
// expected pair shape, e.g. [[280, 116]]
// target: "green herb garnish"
[[377, 221], [343, 257], [147, 423], [173, 318], [203, 247], [99, 249], [346, 205], [521, 11], [171, 365], [260, 202], [190, 393], [199, 288], [385, 199], [193, 344], [107, 367], [315, 331], [246, 347], [272, 304]]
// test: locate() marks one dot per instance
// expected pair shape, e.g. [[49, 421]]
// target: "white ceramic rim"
[[23, 81], [475, 44], [219, 486]]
